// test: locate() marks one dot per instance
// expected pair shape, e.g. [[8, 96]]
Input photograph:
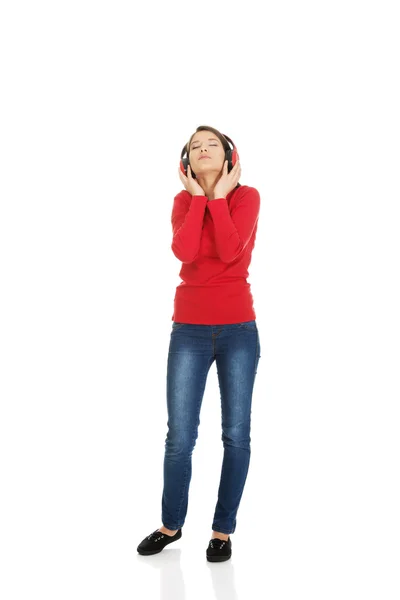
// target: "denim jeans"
[[192, 350]]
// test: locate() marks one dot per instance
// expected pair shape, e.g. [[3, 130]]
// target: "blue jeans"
[[192, 350]]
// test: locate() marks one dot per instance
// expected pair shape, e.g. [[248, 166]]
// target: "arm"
[[187, 223], [233, 231]]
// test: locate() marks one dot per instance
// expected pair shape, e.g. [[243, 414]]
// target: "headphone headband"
[[228, 139]]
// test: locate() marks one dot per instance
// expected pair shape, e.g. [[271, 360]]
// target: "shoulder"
[[248, 189], [184, 194], [248, 192], [181, 198]]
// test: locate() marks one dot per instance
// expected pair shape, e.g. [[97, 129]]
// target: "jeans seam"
[[257, 354]]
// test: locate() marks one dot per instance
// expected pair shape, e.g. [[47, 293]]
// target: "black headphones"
[[231, 155]]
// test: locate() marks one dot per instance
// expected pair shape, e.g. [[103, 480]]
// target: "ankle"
[[167, 531], [219, 535]]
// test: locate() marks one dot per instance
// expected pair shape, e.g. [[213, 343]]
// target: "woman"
[[214, 221]]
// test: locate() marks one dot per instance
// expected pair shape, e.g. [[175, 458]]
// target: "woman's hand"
[[227, 181], [190, 184]]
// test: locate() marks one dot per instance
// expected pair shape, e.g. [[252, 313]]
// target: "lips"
[[202, 157]]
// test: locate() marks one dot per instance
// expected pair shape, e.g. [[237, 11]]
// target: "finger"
[[183, 178]]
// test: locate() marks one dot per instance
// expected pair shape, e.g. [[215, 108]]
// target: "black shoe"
[[219, 550], [156, 541]]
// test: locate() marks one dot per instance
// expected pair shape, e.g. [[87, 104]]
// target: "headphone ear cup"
[[183, 165], [228, 157], [235, 156], [232, 157]]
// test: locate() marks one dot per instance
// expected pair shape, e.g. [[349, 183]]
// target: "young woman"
[[214, 222]]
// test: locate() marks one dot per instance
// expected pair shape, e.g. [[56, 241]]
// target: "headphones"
[[231, 155]]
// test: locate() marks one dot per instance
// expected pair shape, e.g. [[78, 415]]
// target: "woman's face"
[[206, 144]]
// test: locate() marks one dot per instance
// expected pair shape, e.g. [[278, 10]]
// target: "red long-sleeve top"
[[214, 240]]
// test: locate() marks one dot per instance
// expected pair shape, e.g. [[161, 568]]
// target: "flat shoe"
[[156, 541], [219, 550]]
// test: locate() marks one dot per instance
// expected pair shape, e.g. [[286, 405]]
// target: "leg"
[[189, 359], [237, 357]]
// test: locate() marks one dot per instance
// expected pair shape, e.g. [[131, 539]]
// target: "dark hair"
[[220, 136]]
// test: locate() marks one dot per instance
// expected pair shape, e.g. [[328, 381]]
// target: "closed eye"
[[195, 147]]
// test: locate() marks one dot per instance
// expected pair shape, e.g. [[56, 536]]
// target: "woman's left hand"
[[227, 181]]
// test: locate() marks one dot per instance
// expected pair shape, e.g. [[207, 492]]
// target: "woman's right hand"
[[190, 184]]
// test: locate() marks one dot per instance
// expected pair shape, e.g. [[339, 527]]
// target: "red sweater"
[[214, 240]]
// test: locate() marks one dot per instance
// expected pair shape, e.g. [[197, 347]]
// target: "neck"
[[208, 182]]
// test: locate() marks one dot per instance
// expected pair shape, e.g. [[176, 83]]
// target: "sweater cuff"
[[217, 201]]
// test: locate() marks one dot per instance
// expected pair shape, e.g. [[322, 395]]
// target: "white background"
[[97, 100]]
